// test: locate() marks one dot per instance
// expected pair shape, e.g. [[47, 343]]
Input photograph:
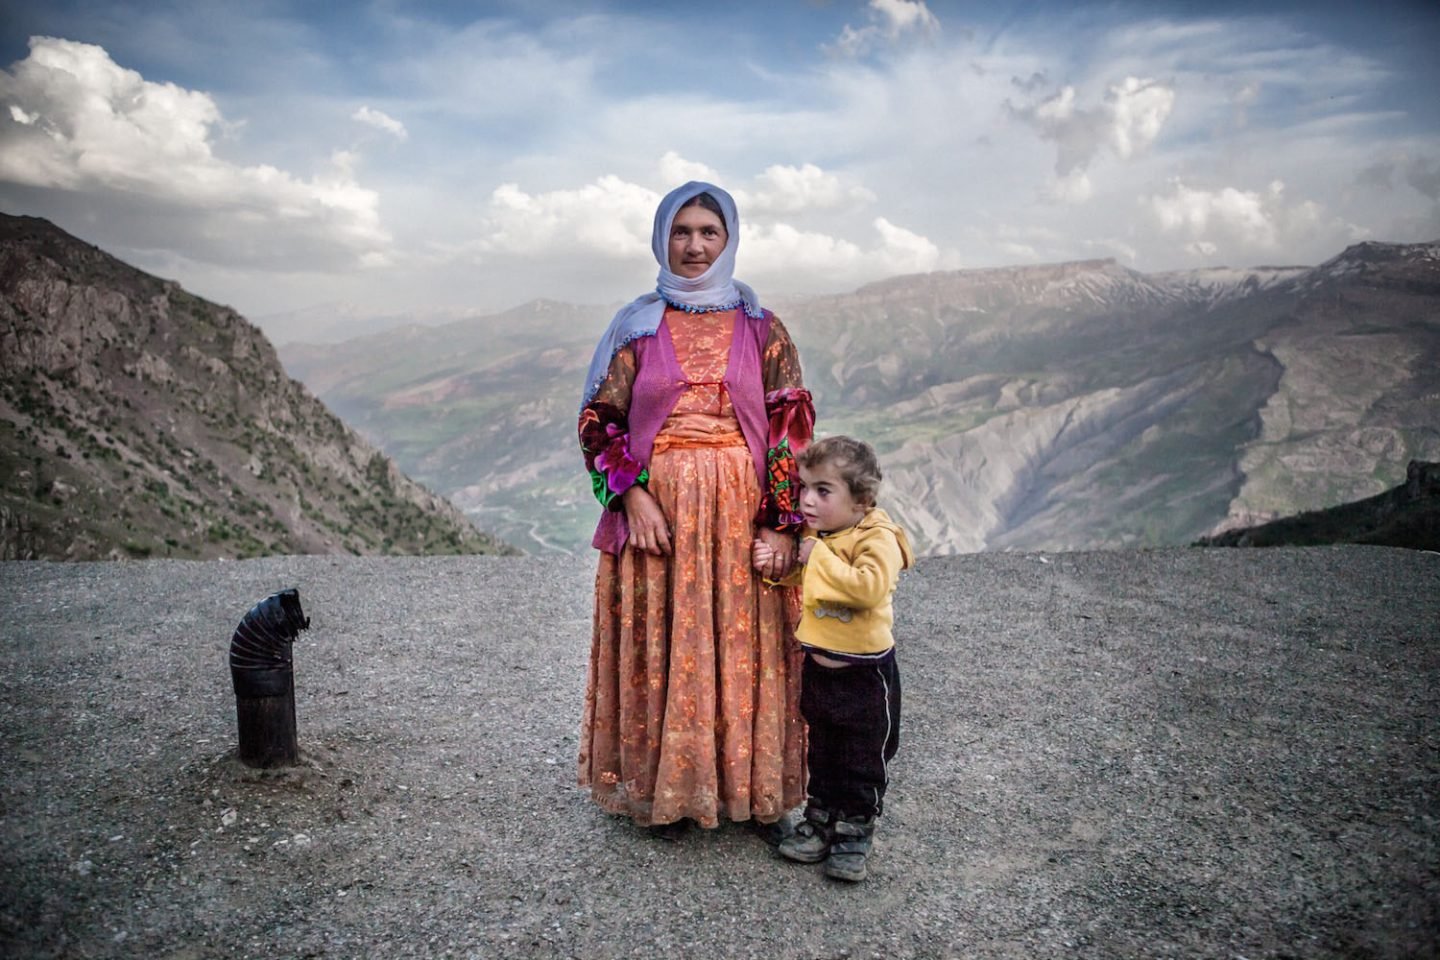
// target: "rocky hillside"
[[1086, 405], [137, 420], [1406, 516], [483, 409], [1066, 406]]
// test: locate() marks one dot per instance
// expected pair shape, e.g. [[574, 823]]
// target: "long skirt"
[[692, 704]]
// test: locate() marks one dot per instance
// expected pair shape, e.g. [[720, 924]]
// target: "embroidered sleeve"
[[605, 435], [780, 362], [791, 413]]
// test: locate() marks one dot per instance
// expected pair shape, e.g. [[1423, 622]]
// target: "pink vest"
[[659, 382]]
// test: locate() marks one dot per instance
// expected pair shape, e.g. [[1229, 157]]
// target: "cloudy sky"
[[279, 154]]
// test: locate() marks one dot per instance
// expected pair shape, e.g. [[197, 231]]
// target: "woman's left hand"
[[782, 553]]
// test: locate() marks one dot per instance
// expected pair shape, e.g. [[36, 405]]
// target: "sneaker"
[[849, 848], [811, 840]]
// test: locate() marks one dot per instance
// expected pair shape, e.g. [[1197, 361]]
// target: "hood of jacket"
[[875, 517]]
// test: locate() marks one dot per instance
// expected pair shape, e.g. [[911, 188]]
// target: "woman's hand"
[[781, 548], [648, 529], [806, 546]]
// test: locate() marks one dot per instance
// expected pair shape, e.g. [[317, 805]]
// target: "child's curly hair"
[[855, 460]]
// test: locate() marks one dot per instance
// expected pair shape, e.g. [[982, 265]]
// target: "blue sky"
[[406, 157]]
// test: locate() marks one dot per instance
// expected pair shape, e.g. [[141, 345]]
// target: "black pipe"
[[260, 660], [263, 671]]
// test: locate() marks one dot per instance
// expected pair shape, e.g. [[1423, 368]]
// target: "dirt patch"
[[1198, 753]]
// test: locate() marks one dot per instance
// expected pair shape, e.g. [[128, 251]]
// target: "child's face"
[[826, 501]]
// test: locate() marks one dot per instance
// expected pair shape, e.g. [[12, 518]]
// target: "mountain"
[[1405, 516], [1064, 406], [139, 420], [483, 409], [1086, 405], [335, 322]]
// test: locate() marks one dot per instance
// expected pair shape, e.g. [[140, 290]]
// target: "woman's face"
[[697, 237]]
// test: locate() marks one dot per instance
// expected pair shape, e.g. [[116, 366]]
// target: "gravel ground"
[[1177, 753]]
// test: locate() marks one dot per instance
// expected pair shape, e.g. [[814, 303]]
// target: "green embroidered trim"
[[600, 486]]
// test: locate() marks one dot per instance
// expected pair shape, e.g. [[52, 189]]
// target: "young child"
[[850, 558]]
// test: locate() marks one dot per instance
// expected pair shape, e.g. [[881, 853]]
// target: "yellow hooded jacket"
[[848, 584]]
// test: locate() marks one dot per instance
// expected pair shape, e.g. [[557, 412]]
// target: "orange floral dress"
[[693, 692]]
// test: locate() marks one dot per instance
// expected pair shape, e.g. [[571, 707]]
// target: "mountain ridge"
[[139, 420], [1057, 406], [1406, 516]]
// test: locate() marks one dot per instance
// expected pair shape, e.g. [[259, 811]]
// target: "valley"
[[1056, 407]]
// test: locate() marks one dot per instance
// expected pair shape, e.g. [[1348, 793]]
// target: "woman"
[[693, 408]]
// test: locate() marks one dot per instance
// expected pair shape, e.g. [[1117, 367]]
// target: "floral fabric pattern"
[[792, 424], [692, 699], [604, 440]]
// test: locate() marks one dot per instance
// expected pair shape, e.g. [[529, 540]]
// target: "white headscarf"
[[714, 288]]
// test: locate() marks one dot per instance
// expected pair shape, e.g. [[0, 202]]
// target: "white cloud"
[[780, 256], [789, 189], [90, 121], [780, 250], [381, 121], [1228, 221], [1073, 187], [513, 125], [903, 251], [675, 170], [1137, 110], [902, 15], [610, 217], [889, 21], [84, 124], [1244, 216], [1129, 120]]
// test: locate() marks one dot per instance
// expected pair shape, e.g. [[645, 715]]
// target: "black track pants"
[[854, 718]]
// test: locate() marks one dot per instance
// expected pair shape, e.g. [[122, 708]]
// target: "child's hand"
[[761, 556], [806, 546], [772, 553]]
